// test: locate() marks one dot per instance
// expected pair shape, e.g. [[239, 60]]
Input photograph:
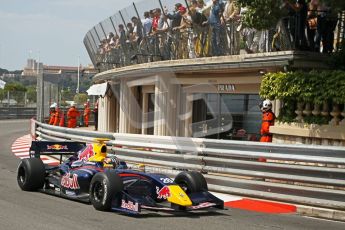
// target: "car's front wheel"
[[30, 174], [105, 188], [191, 181]]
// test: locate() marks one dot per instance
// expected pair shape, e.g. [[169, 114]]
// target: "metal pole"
[[112, 23], [94, 41], [94, 28], [77, 91], [105, 35], [8, 99], [40, 94], [142, 27], [123, 20]]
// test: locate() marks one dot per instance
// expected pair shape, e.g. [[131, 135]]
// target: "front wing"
[[135, 205]]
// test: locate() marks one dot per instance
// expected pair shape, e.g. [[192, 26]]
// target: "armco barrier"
[[312, 175]]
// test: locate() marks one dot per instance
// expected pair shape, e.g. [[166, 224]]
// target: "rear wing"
[[60, 148]]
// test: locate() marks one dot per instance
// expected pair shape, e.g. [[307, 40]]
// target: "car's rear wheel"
[[105, 189], [191, 181], [30, 174]]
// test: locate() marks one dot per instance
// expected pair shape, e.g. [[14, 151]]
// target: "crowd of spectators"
[[216, 29]]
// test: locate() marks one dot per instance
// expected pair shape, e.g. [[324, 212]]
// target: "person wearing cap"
[[176, 16], [86, 114], [72, 115], [186, 22]]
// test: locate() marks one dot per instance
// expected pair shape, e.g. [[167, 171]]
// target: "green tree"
[[2, 94], [31, 93], [80, 98], [17, 91], [261, 14], [264, 14]]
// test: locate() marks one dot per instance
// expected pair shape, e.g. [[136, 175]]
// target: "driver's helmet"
[[114, 161]]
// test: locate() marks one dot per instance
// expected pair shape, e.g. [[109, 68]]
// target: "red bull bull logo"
[[86, 153], [163, 193], [57, 147]]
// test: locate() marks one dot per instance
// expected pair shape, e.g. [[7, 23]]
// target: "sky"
[[49, 30]]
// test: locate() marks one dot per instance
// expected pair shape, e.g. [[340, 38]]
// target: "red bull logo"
[[163, 193], [57, 147], [68, 182], [86, 153]]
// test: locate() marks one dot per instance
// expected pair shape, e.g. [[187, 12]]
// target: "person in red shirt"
[[72, 115], [52, 114], [268, 118], [86, 114]]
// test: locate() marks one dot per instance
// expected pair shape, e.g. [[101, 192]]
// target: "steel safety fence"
[[313, 175], [131, 36]]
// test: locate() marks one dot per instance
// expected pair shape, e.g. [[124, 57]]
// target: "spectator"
[[176, 16], [129, 34], [72, 115], [137, 30], [300, 9], [312, 23], [147, 23], [186, 22], [200, 31], [326, 24], [215, 21], [231, 16]]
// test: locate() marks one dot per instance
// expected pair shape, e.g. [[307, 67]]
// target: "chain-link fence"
[[154, 30], [17, 99]]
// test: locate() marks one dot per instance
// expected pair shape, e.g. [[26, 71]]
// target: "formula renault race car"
[[90, 175]]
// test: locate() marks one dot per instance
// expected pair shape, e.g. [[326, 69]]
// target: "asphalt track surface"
[[35, 211]]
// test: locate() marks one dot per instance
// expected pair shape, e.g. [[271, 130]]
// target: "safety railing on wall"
[[312, 175], [131, 35]]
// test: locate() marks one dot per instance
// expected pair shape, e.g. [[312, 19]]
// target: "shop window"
[[227, 116]]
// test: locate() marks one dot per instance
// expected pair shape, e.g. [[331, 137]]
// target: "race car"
[[93, 176]]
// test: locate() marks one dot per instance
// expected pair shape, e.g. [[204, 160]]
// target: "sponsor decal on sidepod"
[[68, 182]]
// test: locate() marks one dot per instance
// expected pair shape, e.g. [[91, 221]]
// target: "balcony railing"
[[126, 39]]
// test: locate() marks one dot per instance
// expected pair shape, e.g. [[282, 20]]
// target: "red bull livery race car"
[[90, 175]]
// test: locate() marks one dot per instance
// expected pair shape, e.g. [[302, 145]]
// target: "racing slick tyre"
[[30, 174], [105, 188], [191, 181]]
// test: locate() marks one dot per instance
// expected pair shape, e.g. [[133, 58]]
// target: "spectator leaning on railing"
[[231, 16], [215, 20]]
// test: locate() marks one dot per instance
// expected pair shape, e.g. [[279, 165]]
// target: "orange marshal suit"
[[72, 115], [87, 112], [267, 121]]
